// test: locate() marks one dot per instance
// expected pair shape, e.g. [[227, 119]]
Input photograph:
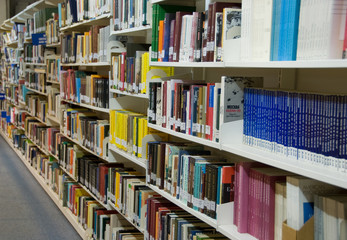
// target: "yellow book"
[[91, 207], [135, 135], [112, 115], [117, 133], [125, 131], [141, 131], [79, 192], [144, 70]]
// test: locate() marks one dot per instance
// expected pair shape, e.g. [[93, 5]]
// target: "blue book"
[[182, 152], [276, 21], [289, 24], [78, 87], [59, 13], [167, 23], [73, 10]]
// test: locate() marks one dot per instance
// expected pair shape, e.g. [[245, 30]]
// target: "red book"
[[102, 173], [344, 53], [177, 40]]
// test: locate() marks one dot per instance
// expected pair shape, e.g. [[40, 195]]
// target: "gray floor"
[[26, 211]]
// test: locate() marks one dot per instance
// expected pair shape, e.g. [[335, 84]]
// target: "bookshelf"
[[322, 76]]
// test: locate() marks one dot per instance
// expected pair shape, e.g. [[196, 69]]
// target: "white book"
[[300, 192], [188, 36], [261, 24], [216, 112], [246, 30], [232, 96]]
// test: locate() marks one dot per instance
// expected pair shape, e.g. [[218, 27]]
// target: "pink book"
[[193, 38], [172, 39], [267, 220], [244, 188], [237, 193]]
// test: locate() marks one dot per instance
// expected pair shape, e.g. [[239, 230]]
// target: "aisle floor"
[[26, 211]]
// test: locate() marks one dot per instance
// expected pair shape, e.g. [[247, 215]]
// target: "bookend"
[[305, 233]]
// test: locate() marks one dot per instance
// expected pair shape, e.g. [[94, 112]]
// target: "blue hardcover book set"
[[305, 126]]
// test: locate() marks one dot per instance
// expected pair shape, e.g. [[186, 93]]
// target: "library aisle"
[[26, 211]]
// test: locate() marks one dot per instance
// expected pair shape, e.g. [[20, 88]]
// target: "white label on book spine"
[[170, 50], [197, 127], [212, 205], [139, 149], [204, 51], [174, 57], [183, 126], [124, 143], [140, 86], [117, 140], [208, 130]]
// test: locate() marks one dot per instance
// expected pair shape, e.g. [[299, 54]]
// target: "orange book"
[[71, 161], [161, 41]]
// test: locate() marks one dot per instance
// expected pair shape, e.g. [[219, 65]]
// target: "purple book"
[[172, 39], [167, 34]]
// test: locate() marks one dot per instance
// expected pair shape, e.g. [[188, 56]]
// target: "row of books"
[[84, 126], [12, 72], [85, 47], [54, 102], [266, 197], [191, 174], [305, 126], [53, 68], [52, 30], [12, 55], [130, 14], [129, 73], [92, 215], [17, 115], [38, 132], [166, 221], [11, 93], [36, 53], [17, 29], [191, 108], [194, 108], [37, 106], [292, 36], [40, 18], [73, 11], [85, 87], [36, 80], [127, 130], [181, 35]]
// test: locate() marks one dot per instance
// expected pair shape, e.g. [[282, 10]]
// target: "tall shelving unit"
[[326, 76]]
